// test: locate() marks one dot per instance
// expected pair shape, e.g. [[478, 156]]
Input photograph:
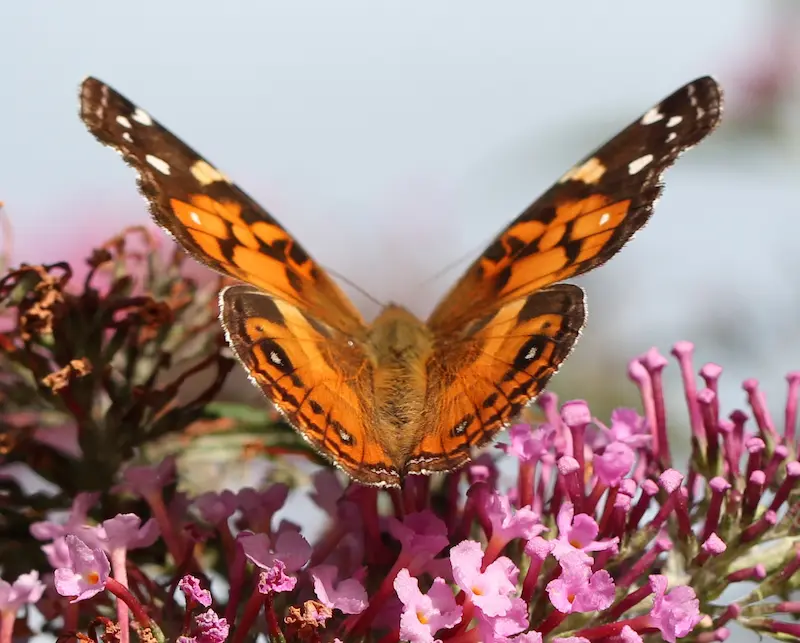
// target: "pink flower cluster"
[[599, 538]]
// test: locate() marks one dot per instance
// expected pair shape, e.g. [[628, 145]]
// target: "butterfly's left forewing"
[[212, 218]]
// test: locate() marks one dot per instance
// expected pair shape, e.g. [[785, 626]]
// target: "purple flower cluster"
[[599, 538]]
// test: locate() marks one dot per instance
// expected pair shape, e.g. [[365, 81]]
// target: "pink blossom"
[[530, 445], [577, 534], [148, 480], [614, 463], [88, 571], [424, 614], [500, 629], [190, 586], [489, 590], [627, 426], [674, 613], [629, 635], [26, 589], [289, 547], [48, 530], [210, 628], [258, 507], [571, 639], [216, 507], [508, 523], [348, 596], [578, 589], [273, 579], [422, 535], [123, 531]]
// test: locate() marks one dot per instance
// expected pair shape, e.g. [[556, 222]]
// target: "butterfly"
[[402, 396]]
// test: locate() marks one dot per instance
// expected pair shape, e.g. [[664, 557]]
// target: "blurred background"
[[395, 139]]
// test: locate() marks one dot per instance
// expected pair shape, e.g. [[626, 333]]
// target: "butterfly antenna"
[[354, 285], [456, 262]]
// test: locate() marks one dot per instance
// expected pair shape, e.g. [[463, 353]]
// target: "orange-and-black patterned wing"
[[316, 375], [504, 329], [213, 219], [589, 214], [480, 380]]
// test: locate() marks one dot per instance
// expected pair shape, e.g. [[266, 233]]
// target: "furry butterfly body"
[[401, 396]]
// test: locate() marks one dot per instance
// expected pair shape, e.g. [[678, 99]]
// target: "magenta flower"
[[123, 531], [528, 444], [627, 426], [210, 628], [490, 590], [190, 586], [509, 523], [289, 547], [614, 463], [425, 614], [258, 507], [273, 579], [348, 596], [508, 626], [578, 534], [216, 507], [147, 480], [26, 589], [48, 530], [88, 571], [578, 589], [674, 613], [422, 535]]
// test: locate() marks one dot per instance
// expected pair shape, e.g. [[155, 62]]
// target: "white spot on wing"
[[127, 137], [605, 218], [206, 174], [532, 353], [124, 122], [590, 172], [652, 116], [196, 219], [672, 136], [634, 167], [273, 356], [157, 163], [142, 117], [675, 120]]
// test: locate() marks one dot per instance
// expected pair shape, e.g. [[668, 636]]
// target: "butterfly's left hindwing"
[[213, 219]]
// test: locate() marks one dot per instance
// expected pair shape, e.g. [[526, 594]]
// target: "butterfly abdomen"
[[401, 345]]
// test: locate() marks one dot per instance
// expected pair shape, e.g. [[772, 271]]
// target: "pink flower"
[[614, 464], [674, 613], [578, 589], [530, 445], [289, 547], [424, 614], [26, 589], [216, 507], [258, 507], [627, 426], [190, 586], [571, 639], [500, 629], [147, 481], [210, 628], [274, 579], [629, 635], [87, 573], [47, 530], [508, 524], [489, 590], [577, 534], [422, 536], [123, 531], [348, 596]]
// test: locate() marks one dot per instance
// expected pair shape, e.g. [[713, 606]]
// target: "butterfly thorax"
[[400, 346]]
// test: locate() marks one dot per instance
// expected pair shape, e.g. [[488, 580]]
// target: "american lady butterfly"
[[401, 396]]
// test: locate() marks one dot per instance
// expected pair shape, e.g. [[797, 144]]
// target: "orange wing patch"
[[482, 380], [319, 380]]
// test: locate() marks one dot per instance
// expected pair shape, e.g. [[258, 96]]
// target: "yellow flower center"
[[93, 578], [422, 618]]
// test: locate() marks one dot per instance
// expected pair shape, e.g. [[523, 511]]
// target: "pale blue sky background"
[[394, 138]]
